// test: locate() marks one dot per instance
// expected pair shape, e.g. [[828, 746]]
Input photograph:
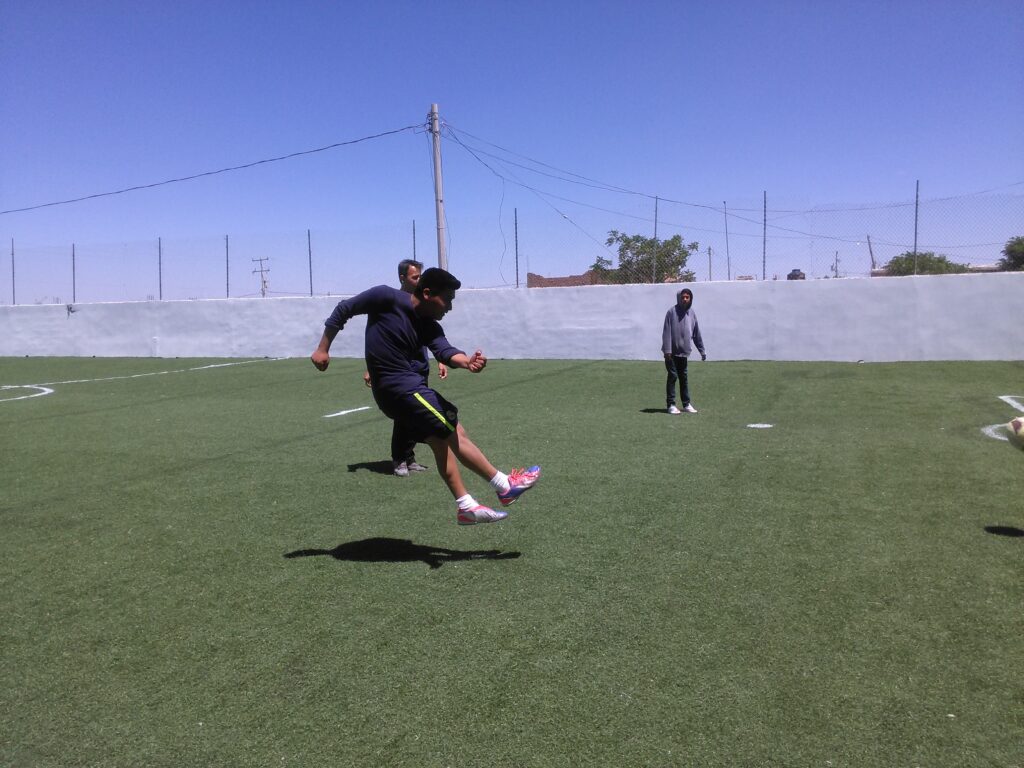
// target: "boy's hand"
[[321, 360], [477, 362]]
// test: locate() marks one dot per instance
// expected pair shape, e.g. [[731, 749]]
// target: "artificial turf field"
[[200, 569]]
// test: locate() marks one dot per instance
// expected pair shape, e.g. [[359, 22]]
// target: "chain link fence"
[[748, 242], [755, 240]]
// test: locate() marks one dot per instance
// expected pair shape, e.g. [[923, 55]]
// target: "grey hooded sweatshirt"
[[680, 327]]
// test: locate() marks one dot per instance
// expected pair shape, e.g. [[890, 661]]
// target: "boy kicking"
[[398, 326]]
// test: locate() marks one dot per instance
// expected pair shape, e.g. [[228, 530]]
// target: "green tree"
[[645, 260], [1013, 255], [927, 263]]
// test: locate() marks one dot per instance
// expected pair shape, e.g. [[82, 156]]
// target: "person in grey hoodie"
[[679, 331]]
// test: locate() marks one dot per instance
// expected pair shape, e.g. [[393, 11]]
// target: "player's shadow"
[[1004, 530], [652, 410], [378, 467], [382, 550]]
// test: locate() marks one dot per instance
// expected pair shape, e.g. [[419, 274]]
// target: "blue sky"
[[820, 105]]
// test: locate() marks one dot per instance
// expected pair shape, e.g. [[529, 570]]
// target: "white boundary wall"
[[948, 317]]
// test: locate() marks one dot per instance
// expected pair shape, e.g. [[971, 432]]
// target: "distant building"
[[590, 277]]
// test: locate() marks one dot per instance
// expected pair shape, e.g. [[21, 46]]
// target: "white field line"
[[996, 431], [343, 413], [1014, 401], [999, 431], [42, 391], [46, 388]]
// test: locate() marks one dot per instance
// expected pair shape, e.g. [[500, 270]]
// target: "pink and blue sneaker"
[[520, 481]]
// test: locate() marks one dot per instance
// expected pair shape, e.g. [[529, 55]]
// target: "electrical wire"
[[589, 182], [212, 173]]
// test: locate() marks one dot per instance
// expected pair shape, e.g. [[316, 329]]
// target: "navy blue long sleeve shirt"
[[395, 338]]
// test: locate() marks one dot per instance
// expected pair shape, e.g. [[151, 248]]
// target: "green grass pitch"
[[200, 569]]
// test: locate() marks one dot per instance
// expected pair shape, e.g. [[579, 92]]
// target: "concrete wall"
[[949, 317]]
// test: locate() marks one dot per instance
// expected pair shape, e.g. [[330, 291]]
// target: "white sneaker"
[[479, 514], [673, 410], [401, 469], [689, 408]]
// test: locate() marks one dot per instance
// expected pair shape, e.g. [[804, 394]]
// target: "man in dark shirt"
[[403, 448], [398, 327]]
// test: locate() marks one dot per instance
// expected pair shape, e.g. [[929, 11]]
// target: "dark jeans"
[[676, 367], [403, 446]]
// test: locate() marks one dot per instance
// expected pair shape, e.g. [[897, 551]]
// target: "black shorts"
[[420, 414]]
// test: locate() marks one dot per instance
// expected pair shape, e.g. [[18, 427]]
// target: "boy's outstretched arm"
[[321, 356]]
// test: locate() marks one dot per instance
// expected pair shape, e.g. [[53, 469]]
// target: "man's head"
[[435, 292], [409, 274], [686, 298]]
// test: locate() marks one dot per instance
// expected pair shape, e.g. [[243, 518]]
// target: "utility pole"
[[435, 131], [654, 258], [74, 287], [871, 253], [835, 266], [160, 267], [414, 240], [917, 201], [709, 263], [764, 239], [728, 259], [263, 275], [227, 270], [309, 250], [515, 214], [14, 294]]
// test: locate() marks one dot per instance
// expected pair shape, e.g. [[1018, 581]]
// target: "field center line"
[[342, 413]]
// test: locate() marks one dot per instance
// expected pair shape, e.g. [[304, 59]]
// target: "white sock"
[[500, 482], [466, 502]]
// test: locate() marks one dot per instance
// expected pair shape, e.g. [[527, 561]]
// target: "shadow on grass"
[[652, 410], [379, 467], [1004, 530], [381, 550]]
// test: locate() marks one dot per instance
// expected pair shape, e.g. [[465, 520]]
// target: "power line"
[[212, 173], [594, 183]]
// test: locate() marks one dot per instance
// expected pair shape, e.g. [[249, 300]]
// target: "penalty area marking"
[[343, 413]]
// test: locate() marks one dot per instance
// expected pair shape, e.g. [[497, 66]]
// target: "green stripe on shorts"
[[433, 410]]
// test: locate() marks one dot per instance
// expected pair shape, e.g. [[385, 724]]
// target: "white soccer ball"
[[1016, 430]]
